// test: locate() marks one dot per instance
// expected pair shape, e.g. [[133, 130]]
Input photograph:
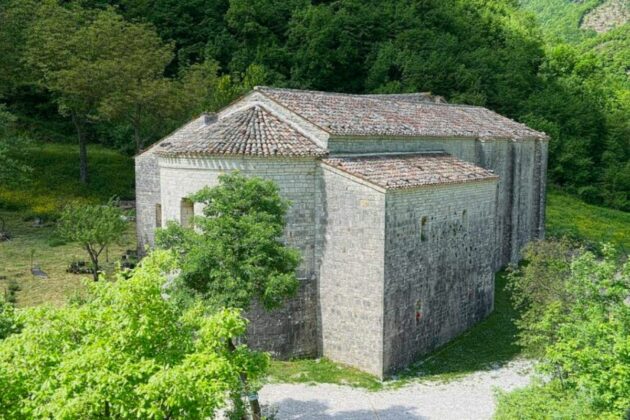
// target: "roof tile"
[[414, 115], [253, 131], [410, 171]]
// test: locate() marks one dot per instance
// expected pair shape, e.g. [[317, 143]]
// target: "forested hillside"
[[126, 72]]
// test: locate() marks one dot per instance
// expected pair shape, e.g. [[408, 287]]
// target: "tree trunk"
[[253, 397], [137, 136], [94, 259], [83, 168], [138, 139], [83, 164]]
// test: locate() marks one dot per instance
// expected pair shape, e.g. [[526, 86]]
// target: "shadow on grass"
[[487, 345]]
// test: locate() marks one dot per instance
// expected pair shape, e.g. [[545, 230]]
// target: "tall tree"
[[135, 59], [99, 66], [236, 255]]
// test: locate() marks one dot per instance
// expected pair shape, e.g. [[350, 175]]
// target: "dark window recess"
[[423, 229], [187, 212], [158, 215]]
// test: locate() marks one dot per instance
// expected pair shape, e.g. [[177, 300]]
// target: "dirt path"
[[471, 397]]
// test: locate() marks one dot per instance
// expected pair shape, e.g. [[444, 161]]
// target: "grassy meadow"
[[55, 179], [488, 344]]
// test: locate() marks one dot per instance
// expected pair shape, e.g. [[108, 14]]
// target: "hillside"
[[608, 15], [574, 20]]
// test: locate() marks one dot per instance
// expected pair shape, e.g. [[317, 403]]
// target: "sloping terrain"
[[560, 19], [606, 16]]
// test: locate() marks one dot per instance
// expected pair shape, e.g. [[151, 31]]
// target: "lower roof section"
[[393, 172]]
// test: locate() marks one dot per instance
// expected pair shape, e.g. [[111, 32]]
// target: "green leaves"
[[237, 256], [577, 320], [93, 227], [127, 352], [8, 321]]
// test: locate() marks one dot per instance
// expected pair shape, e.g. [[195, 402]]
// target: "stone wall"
[[521, 166], [293, 330], [351, 278], [147, 198], [439, 274]]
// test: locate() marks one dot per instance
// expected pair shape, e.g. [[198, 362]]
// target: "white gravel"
[[471, 397]]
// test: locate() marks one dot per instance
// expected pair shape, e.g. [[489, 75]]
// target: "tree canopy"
[[94, 227], [576, 319], [127, 351], [185, 57], [235, 255]]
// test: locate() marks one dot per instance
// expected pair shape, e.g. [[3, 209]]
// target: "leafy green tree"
[[205, 90], [538, 284], [235, 255], [94, 227], [582, 326], [8, 321], [127, 352], [100, 66], [16, 17], [135, 59]]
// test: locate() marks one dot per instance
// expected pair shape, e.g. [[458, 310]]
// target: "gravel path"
[[471, 397]]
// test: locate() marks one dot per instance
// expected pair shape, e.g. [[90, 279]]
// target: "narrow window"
[[419, 313], [423, 229], [158, 215], [187, 212]]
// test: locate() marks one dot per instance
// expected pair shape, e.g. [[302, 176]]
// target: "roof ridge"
[[367, 96], [252, 130]]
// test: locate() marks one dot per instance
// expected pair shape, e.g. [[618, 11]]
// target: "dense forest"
[[125, 72]]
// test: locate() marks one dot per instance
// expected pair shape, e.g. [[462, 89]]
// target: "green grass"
[[55, 179], [490, 343], [39, 246], [54, 182], [568, 216], [320, 371]]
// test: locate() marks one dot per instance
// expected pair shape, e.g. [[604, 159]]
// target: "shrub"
[[8, 321], [125, 351], [577, 320]]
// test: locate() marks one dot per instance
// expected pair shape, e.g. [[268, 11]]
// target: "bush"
[[8, 322], [125, 351], [544, 402], [577, 319]]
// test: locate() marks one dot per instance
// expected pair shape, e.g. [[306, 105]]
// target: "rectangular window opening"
[[423, 229], [158, 215], [187, 212]]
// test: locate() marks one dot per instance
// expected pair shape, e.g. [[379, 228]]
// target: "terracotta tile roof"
[[410, 171], [253, 131], [414, 115]]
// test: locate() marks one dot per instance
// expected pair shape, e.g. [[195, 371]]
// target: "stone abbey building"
[[403, 207]]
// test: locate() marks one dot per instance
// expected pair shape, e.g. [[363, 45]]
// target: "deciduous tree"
[[127, 352], [94, 227], [237, 256]]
